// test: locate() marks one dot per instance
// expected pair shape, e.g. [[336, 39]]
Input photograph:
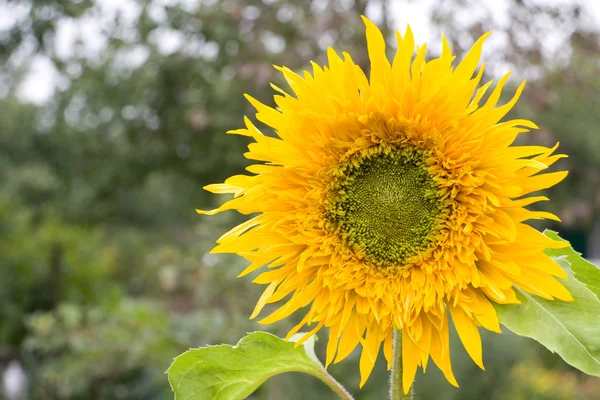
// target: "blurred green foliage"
[[104, 264]]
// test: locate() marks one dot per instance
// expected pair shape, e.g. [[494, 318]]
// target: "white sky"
[[43, 79]]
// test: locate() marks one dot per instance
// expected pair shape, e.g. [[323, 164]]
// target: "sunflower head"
[[388, 203]]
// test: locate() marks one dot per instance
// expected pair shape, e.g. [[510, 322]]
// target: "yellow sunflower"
[[386, 202]]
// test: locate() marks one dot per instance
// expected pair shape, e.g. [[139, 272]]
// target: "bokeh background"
[[112, 118]]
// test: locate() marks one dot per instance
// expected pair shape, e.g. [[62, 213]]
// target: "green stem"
[[334, 385], [396, 390]]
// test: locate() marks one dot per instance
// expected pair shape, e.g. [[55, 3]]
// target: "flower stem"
[[396, 390], [335, 385]]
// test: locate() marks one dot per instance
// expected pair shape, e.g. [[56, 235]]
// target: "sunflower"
[[386, 203]]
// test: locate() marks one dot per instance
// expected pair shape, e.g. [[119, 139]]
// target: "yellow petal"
[[468, 334], [380, 66], [411, 356]]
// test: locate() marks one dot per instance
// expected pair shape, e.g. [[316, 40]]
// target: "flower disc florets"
[[385, 206]]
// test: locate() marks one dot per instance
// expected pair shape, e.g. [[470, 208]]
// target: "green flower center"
[[385, 206]]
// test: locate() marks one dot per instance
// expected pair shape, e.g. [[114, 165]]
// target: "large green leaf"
[[233, 372], [583, 270], [571, 329]]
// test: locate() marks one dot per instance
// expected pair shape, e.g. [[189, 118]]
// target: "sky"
[[42, 80]]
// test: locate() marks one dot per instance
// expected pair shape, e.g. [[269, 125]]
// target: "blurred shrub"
[[116, 352]]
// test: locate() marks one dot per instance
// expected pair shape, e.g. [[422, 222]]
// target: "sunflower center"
[[385, 206]]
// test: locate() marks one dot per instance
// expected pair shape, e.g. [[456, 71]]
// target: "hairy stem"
[[396, 390], [335, 385]]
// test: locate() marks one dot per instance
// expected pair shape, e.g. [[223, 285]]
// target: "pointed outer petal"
[[528, 201], [347, 312], [419, 62], [388, 350], [263, 299], [523, 286], [221, 188], [525, 123], [499, 112], [424, 361], [262, 168], [493, 293], [257, 262], [492, 290], [483, 311], [475, 81], [503, 134], [406, 49], [544, 181], [522, 214], [371, 344], [495, 96], [286, 287], [296, 328], [440, 351], [317, 71], [478, 95], [411, 356], [250, 130], [295, 81], [333, 58], [511, 297], [229, 205], [432, 72], [332, 344], [251, 242], [274, 275], [532, 241], [380, 66], [350, 338], [545, 263], [282, 291], [446, 51], [308, 334], [468, 334], [240, 229], [525, 164], [425, 341], [526, 151], [278, 89], [545, 155], [551, 160], [542, 284], [507, 265], [500, 137], [241, 132], [542, 239], [265, 114], [356, 72], [297, 301], [467, 66]]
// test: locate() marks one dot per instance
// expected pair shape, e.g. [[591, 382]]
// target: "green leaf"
[[233, 372], [571, 329], [583, 270]]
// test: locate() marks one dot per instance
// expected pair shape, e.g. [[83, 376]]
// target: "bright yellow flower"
[[385, 202]]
